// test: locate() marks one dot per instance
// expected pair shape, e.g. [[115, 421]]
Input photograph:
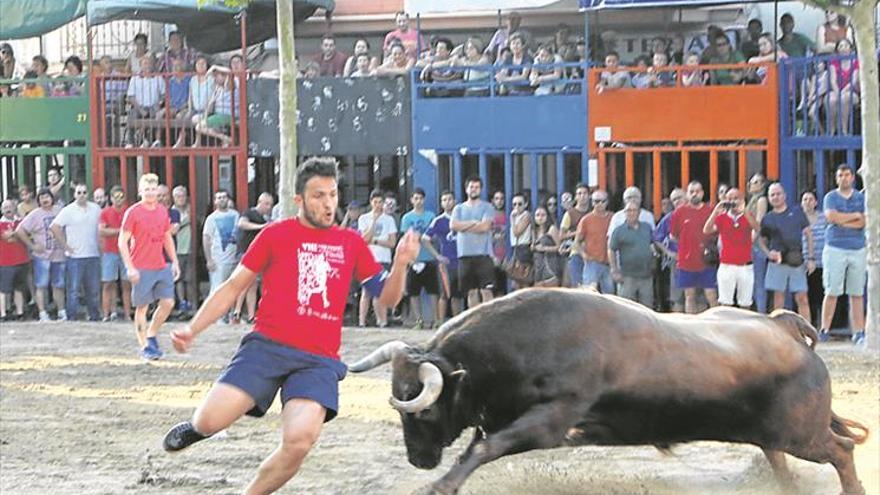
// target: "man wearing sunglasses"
[[591, 242], [76, 231]]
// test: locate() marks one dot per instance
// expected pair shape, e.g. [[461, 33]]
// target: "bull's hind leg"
[[780, 469], [838, 450], [541, 427]]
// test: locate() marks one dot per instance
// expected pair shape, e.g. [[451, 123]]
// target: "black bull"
[[545, 368]]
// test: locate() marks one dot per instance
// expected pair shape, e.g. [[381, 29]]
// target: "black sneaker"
[[180, 437]]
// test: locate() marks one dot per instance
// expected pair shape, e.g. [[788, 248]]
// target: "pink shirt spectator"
[[411, 40], [147, 228]]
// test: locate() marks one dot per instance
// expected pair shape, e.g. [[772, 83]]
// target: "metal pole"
[[287, 107], [775, 30]]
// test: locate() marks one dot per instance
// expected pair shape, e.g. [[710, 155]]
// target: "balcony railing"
[[488, 81]]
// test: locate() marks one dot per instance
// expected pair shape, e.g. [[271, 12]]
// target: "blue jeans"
[[85, 272], [575, 270], [759, 263], [598, 274]]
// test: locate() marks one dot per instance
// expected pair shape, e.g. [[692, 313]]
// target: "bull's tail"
[[843, 427], [797, 325]]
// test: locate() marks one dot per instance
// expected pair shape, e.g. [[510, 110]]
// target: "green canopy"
[[211, 27], [28, 18]]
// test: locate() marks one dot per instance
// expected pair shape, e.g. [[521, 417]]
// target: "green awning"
[[28, 18], [211, 28]]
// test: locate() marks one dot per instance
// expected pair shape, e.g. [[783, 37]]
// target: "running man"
[[147, 227], [295, 343]]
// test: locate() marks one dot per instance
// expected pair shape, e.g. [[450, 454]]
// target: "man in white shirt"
[[380, 233], [145, 95], [76, 231]]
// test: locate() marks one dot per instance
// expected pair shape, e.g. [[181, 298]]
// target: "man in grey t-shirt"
[[472, 221], [76, 231]]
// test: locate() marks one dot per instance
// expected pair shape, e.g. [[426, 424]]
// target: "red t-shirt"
[[11, 253], [687, 226], [112, 219], [148, 228], [306, 277], [736, 239]]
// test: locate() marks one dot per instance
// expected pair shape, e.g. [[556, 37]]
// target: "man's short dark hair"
[[140, 36], [719, 36], [42, 60], [175, 33], [691, 183], [581, 185], [320, 166], [376, 193], [445, 41], [446, 192], [76, 61], [224, 191], [419, 191], [753, 21], [328, 36], [474, 178], [845, 166], [613, 53], [786, 16], [236, 56], [366, 55], [115, 189]]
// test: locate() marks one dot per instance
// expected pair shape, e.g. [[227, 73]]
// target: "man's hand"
[[175, 270], [408, 248], [134, 276], [617, 276], [39, 249], [443, 260], [182, 339], [811, 266], [774, 256]]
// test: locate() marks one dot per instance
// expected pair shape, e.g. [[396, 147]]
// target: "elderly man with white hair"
[[630, 194]]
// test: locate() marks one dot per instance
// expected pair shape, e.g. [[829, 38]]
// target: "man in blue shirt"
[[472, 222], [422, 275], [447, 256], [783, 230], [844, 257], [667, 246]]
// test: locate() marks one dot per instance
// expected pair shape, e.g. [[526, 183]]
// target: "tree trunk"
[[287, 107], [864, 25]]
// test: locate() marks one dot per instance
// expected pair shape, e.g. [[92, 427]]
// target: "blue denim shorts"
[[845, 271], [112, 268], [262, 366], [46, 272], [706, 278], [781, 277], [153, 285]]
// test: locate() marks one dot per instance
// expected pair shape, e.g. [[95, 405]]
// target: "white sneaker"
[[62, 315], [44, 317]]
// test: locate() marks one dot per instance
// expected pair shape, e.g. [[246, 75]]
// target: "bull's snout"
[[425, 459]]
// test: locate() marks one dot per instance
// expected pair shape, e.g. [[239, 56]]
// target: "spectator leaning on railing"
[[516, 76], [793, 43], [725, 55], [542, 77], [397, 63], [330, 60], [176, 51], [833, 30], [691, 74], [353, 64], [145, 93], [844, 93]]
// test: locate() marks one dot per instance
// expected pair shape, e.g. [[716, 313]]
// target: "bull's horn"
[[432, 386], [380, 356]]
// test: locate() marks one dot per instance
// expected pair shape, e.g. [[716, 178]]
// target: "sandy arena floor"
[[81, 414]]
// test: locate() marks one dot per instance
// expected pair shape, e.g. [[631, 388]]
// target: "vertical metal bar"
[[167, 79], [169, 171], [192, 287], [456, 177], [629, 169], [508, 179], [560, 179], [123, 176], [241, 186], [713, 175], [685, 168], [603, 173], [658, 181], [215, 172], [741, 170], [484, 174], [851, 158], [819, 159], [533, 169], [585, 167]]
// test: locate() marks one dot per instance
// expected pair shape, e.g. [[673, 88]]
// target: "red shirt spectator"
[[147, 228], [411, 39], [687, 227], [736, 239], [112, 219], [593, 229], [330, 61], [306, 277], [12, 251]]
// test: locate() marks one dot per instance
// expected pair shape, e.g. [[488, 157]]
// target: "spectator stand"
[[815, 136], [512, 138], [658, 138], [39, 133]]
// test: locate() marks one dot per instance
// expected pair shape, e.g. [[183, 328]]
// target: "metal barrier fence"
[[500, 80]]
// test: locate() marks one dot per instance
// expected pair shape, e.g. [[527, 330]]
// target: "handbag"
[[711, 256], [518, 266], [793, 258]]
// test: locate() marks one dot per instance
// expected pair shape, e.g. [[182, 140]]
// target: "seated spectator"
[[224, 101], [792, 43], [474, 56], [517, 66], [363, 66], [710, 50], [611, 77], [134, 57], [73, 67], [725, 55], [410, 39], [691, 75], [397, 63], [115, 85], [659, 44], [814, 96], [641, 79], [361, 47], [749, 46], [657, 77], [545, 247], [767, 53], [176, 51], [844, 94], [543, 78], [9, 69], [40, 67], [831, 32], [178, 97], [676, 50], [201, 87], [32, 88], [437, 66], [330, 61], [145, 95], [501, 38], [311, 70]]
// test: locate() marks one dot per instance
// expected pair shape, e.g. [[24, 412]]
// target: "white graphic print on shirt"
[[315, 269]]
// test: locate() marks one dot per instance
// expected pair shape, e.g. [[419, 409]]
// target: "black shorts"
[[425, 279], [476, 272], [13, 278], [454, 286]]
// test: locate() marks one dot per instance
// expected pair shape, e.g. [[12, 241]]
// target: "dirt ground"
[[81, 414]]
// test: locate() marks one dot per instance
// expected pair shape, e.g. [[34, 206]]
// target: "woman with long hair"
[[844, 95], [521, 233], [545, 247]]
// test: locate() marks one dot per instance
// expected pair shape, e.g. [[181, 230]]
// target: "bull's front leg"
[[478, 437], [541, 427]]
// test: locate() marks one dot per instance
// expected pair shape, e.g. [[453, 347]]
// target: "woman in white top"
[[474, 56], [521, 232]]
